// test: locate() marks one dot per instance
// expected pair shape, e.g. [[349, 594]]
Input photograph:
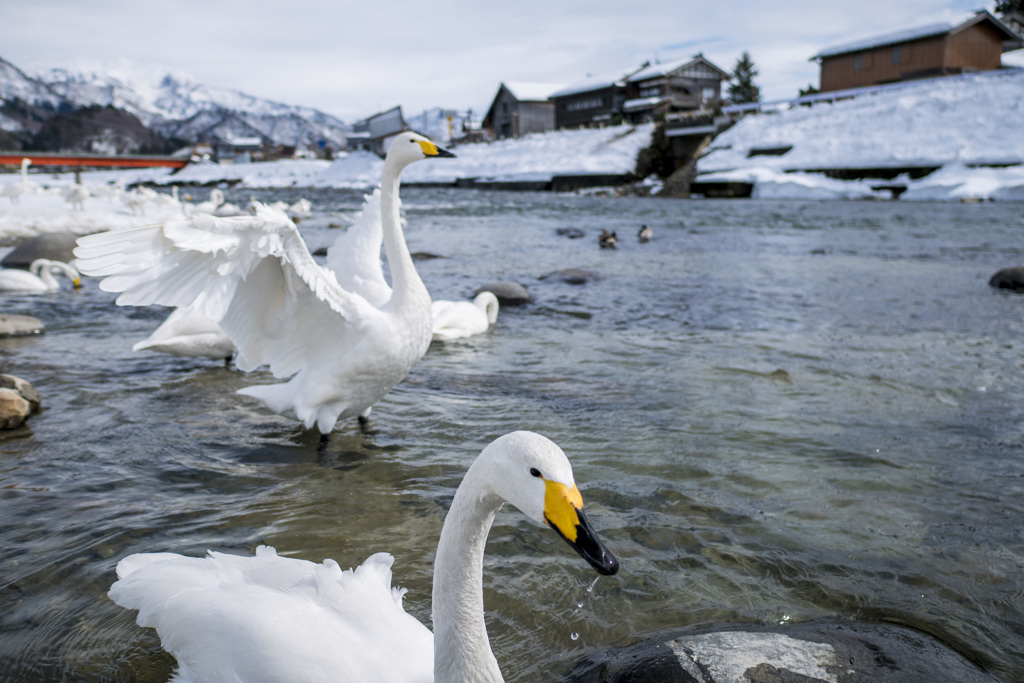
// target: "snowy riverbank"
[[968, 127]]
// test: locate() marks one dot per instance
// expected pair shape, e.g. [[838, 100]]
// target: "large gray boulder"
[[13, 325], [508, 293], [56, 246], [1008, 278], [797, 653]]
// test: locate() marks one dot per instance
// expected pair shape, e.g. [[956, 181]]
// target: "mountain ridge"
[[168, 102]]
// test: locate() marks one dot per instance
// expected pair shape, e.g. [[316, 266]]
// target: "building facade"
[[975, 44], [520, 109]]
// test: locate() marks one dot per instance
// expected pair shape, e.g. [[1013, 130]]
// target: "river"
[[777, 411]]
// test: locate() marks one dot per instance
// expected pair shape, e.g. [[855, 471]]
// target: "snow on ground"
[[953, 123], [966, 125]]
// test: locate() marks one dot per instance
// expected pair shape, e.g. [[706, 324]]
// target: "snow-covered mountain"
[[169, 102]]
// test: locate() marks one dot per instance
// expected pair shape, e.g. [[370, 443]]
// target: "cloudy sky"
[[353, 59]]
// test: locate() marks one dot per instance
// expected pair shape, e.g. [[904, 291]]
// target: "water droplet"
[[593, 583], [574, 635], [579, 605]]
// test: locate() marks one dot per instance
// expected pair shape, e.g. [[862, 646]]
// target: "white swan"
[[19, 187], [211, 204], [343, 347], [303, 208], [271, 618], [75, 194], [38, 277], [187, 332], [137, 198], [458, 319]]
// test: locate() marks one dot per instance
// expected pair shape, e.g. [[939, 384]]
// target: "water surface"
[[776, 412]]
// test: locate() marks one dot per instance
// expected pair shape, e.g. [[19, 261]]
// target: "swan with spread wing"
[[343, 340]]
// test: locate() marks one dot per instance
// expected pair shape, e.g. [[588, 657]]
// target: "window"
[[580, 105], [895, 54], [858, 61]]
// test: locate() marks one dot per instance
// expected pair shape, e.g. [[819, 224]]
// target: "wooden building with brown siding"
[[976, 44]]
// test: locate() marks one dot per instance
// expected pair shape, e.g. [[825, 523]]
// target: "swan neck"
[[462, 650], [404, 278]]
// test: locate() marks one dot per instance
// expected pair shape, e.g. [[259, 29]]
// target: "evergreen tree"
[[743, 90], [1004, 6]]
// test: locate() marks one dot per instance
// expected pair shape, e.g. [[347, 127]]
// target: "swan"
[[187, 332], [211, 204], [137, 198], [24, 186], [458, 319], [38, 277], [343, 343], [272, 618], [75, 194], [303, 208]]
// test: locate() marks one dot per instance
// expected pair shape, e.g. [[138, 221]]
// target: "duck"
[[271, 618], [187, 332], [38, 278], [644, 235], [460, 319], [343, 347], [607, 240]]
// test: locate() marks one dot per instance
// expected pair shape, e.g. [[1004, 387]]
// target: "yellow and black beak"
[[432, 150], [563, 512]]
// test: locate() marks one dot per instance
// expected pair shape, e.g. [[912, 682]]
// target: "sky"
[[353, 59]]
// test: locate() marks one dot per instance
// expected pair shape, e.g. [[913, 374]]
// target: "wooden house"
[[687, 85], [975, 44], [238, 150], [639, 94], [594, 101], [519, 109], [375, 133]]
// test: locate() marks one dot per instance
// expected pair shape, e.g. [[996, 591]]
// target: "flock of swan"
[[339, 337]]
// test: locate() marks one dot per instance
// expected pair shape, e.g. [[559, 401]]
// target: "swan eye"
[[535, 472]]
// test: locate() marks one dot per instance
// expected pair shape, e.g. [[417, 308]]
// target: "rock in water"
[[795, 653], [1008, 278], [508, 293], [56, 246], [19, 325], [18, 400]]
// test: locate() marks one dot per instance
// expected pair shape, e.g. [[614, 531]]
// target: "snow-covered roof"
[[605, 80], [530, 92], [660, 70], [642, 103], [906, 35]]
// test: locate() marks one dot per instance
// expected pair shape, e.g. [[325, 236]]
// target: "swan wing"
[[187, 332], [271, 618], [288, 302], [355, 258]]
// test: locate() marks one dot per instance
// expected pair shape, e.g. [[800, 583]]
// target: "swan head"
[[532, 473], [409, 147]]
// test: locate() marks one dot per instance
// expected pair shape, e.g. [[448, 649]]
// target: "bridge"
[[80, 161]]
